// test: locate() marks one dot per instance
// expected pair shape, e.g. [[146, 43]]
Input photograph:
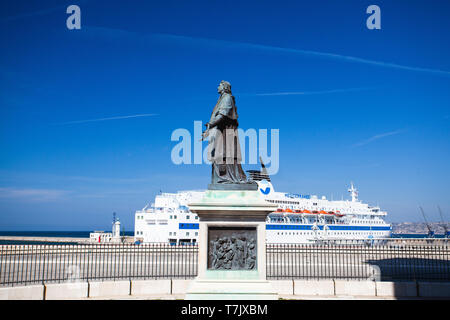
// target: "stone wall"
[[175, 289]]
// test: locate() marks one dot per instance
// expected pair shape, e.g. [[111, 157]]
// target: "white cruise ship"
[[298, 219]]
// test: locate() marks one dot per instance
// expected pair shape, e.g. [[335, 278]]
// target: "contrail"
[[110, 118], [289, 93], [376, 137], [112, 33]]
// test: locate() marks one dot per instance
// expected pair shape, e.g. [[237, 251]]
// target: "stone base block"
[[231, 290], [63, 291], [434, 289], [396, 289], [354, 288], [314, 287], [35, 292], [109, 288], [150, 287], [180, 286], [285, 287]]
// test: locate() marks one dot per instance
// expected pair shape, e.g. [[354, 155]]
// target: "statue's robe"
[[224, 149]]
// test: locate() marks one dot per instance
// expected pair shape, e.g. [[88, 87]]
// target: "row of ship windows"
[[365, 221], [170, 217], [338, 233], [314, 204], [170, 233], [298, 203], [285, 202], [187, 233], [187, 217], [311, 220], [196, 218]]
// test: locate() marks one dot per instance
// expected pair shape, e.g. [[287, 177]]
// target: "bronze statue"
[[224, 149]]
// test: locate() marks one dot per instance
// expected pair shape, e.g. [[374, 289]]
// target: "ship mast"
[[353, 192]]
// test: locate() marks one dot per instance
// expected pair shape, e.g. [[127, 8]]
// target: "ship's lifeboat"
[[288, 210], [330, 212], [279, 210], [306, 211], [315, 212], [338, 214], [298, 211], [323, 212]]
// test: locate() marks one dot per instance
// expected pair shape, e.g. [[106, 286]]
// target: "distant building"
[[116, 229], [107, 237], [100, 237]]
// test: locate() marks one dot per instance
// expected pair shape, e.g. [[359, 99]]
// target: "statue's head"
[[224, 86]]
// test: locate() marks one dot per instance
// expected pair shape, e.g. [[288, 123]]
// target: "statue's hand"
[[205, 134]]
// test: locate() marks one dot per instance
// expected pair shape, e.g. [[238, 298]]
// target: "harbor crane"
[[430, 231], [444, 224]]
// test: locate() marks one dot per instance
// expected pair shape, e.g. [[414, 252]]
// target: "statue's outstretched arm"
[[215, 122], [210, 125]]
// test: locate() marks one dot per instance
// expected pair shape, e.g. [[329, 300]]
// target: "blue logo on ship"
[[265, 187], [265, 191]]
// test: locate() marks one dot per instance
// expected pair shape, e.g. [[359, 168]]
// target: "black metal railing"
[[30, 264], [383, 260]]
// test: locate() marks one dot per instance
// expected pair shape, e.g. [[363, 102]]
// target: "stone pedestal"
[[232, 223]]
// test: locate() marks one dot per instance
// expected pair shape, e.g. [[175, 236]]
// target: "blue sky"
[[351, 104]]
